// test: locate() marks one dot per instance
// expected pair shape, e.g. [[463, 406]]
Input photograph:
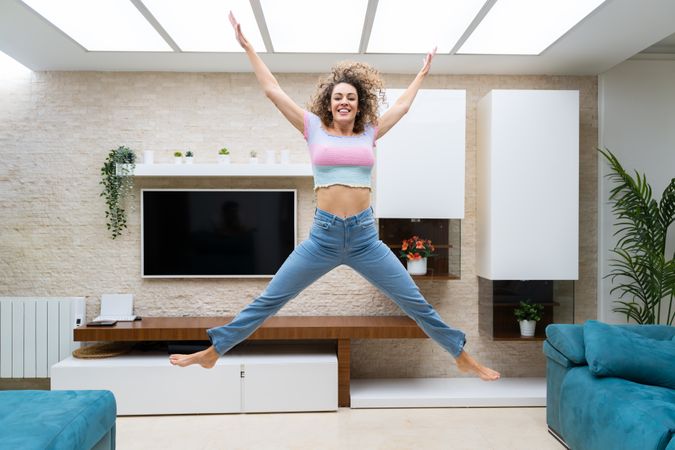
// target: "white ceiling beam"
[[472, 26], [262, 25], [155, 24], [368, 25]]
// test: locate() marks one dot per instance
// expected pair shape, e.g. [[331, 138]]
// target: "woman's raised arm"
[[269, 84], [402, 105]]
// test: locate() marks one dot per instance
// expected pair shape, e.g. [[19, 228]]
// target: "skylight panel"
[[203, 26], [526, 27], [102, 25], [310, 26], [401, 26]]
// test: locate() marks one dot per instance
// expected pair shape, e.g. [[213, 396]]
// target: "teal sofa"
[[611, 386], [57, 420]]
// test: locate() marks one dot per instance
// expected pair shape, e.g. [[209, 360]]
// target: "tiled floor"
[[443, 428]]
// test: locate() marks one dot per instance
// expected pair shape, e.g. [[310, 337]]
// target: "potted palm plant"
[[254, 157], [189, 157], [528, 314], [643, 273]]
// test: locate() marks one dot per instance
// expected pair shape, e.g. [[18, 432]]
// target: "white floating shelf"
[[447, 392], [219, 170]]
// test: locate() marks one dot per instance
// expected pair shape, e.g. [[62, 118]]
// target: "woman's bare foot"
[[466, 363], [206, 358]]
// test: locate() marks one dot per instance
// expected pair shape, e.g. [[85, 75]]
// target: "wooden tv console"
[[339, 329]]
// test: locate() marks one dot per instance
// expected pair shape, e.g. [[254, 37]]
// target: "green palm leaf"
[[640, 271]]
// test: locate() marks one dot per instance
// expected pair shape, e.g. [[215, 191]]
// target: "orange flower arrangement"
[[416, 248]]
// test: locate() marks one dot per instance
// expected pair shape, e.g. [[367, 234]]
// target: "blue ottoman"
[[57, 420]]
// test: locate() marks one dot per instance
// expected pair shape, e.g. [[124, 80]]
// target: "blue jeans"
[[333, 241]]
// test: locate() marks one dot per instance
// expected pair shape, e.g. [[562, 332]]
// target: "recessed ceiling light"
[[310, 26], [400, 27], [203, 26], [102, 25], [526, 27]]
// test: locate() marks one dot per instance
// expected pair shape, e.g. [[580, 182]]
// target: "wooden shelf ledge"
[[277, 327]]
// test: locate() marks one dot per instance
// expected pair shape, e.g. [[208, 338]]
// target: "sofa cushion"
[[613, 413], [55, 419], [612, 351]]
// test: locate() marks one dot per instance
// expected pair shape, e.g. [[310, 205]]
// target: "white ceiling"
[[666, 46], [616, 31]]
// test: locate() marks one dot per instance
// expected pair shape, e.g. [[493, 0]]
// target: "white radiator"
[[36, 333]]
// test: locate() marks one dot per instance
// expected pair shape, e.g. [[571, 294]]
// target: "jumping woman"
[[340, 127]]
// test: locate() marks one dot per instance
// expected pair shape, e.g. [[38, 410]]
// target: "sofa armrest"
[[568, 340], [554, 355]]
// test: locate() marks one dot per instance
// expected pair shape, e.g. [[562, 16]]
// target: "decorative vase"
[[189, 159], [417, 266], [177, 159], [223, 159], [149, 157], [285, 156], [527, 327]]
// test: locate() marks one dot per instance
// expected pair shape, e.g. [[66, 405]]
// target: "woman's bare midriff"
[[341, 200]]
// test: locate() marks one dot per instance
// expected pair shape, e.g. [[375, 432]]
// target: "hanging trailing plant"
[[645, 273], [117, 181]]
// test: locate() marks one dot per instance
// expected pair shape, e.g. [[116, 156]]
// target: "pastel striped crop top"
[[346, 160]]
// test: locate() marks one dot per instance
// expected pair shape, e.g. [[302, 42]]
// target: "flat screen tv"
[[205, 233]]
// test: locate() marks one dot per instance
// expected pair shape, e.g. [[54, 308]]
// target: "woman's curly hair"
[[369, 88]]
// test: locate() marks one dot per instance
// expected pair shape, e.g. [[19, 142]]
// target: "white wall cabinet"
[[528, 185], [420, 162]]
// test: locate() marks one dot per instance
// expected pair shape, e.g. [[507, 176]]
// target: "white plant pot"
[[254, 160], [527, 327], [189, 159], [149, 157], [178, 160], [223, 159], [417, 266], [123, 170]]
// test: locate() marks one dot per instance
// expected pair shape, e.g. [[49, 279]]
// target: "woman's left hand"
[[427, 61]]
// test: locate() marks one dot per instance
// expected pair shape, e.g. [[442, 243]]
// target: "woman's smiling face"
[[344, 103]]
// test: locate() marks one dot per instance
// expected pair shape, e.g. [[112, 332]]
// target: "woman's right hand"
[[237, 32]]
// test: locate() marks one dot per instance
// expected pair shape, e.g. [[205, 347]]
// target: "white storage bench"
[[275, 379]]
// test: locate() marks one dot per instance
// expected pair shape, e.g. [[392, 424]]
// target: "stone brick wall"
[[57, 128]]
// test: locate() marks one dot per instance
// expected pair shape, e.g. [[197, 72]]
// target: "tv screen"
[[216, 233]]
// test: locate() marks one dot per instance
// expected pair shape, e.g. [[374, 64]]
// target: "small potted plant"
[[177, 157], [254, 157], [528, 314], [224, 156], [416, 251], [189, 157], [118, 182]]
